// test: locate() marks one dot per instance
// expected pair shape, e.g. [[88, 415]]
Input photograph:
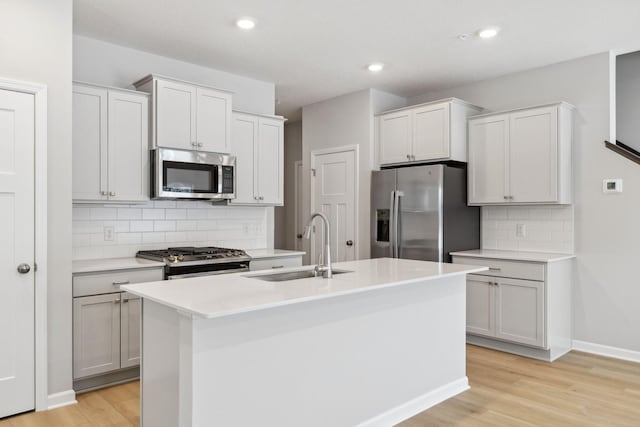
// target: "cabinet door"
[[89, 143], [520, 311], [480, 305], [270, 161], [431, 132], [130, 324], [244, 142], [488, 160], [128, 147], [213, 123], [533, 155], [175, 122], [96, 334], [395, 137]]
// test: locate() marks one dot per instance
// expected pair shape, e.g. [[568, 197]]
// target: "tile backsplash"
[[161, 224], [546, 228]]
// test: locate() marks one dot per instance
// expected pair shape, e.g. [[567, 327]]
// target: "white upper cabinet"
[[427, 132], [110, 144], [213, 123], [395, 137], [258, 145], [188, 116], [175, 115], [431, 132], [488, 159], [89, 152], [128, 159], [521, 157]]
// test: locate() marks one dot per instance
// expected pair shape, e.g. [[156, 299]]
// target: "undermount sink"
[[291, 275]]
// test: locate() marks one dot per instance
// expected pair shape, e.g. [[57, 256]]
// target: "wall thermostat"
[[612, 186]]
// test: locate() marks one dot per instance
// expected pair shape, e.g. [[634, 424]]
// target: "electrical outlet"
[[521, 230], [108, 233]]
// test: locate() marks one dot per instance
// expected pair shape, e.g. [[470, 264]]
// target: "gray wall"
[[35, 42], [285, 233], [346, 120], [606, 295], [628, 99], [100, 62]]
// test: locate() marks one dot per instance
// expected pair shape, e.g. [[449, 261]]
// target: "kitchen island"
[[372, 346]]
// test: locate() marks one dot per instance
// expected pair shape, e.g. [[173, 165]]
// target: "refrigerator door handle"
[[392, 221], [396, 228]]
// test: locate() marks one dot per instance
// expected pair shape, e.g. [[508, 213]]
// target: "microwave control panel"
[[227, 179]]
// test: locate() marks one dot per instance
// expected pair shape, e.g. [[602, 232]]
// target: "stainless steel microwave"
[[185, 174]]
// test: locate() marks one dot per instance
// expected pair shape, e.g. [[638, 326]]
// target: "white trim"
[[612, 97], [64, 398], [356, 223], [40, 275], [605, 350], [297, 204], [421, 403]]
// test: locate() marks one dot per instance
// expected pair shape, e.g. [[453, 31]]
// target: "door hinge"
[[313, 172]]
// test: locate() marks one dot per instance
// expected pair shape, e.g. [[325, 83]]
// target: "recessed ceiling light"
[[375, 67], [246, 23], [488, 33]]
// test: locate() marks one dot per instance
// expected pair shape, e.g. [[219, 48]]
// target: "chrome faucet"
[[322, 269]]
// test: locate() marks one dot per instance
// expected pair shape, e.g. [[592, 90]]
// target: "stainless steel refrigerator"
[[421, 212]]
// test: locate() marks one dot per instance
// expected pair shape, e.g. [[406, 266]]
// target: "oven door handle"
[[209, 273]]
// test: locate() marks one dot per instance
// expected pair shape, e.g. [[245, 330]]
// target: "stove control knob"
[[180, 257]]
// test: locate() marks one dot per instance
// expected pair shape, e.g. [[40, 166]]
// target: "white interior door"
[[334, 194], [17, 333]]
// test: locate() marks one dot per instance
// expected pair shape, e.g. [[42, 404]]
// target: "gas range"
[[191, 261]]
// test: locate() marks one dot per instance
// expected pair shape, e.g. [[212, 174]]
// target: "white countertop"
[[515, 255], [272, 253], [107, 264], [217, 296]]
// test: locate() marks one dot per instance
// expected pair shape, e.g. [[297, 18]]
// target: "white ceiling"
[[317, 49]]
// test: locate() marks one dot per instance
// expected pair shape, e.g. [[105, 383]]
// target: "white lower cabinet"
[[107, 322], [521, 307], [96, 334], [507, 309]]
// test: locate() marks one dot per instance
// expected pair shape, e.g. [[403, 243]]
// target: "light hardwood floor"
[[506, 390]]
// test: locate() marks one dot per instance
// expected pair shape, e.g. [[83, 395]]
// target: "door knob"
[[349, 242], [298, 236], [24, 268]]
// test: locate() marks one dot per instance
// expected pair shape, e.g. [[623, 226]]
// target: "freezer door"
[[383, 186], [420, 212]]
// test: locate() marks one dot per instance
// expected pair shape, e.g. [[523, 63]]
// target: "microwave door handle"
[[219, 167]]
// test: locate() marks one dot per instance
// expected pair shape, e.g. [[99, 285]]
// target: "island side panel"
[[370, 359], [160, 365]]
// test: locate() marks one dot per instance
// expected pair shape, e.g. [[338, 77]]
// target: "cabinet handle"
[[200, 144], [116, 301], [112, 193], [104, 193], [125, 300], [494, 269], [277, 266], [126, 282], [260, 198], [408, 157]]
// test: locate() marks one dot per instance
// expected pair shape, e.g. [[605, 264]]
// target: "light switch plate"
[[611, 185]]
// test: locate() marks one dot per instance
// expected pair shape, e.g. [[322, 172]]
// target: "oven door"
[[182, 174], [185, 272]]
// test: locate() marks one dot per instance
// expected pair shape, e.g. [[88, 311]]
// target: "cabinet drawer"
[[505, 268], [272, 263], [110, 281]]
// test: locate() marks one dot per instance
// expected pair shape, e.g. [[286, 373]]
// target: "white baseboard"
[[417, 405], [64, 398], [605, 350]]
